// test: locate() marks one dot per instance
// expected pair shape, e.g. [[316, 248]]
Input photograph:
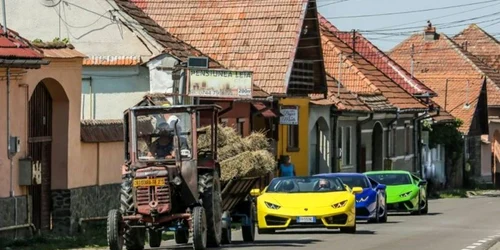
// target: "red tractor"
[[166, 183]]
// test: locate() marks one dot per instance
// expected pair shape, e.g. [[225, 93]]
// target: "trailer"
[[239, 206]]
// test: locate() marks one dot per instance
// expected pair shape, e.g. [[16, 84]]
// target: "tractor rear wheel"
[[134, 237], [212, 203], [115, 230], [199, 228]]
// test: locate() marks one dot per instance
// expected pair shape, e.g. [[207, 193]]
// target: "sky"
[[386, 31]]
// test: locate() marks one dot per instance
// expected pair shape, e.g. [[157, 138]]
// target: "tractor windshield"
[[156, 133]]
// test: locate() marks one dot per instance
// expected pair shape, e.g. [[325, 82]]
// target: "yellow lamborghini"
[[306, 202]]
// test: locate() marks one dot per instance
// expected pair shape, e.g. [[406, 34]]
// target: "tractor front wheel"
[[212, 203], [199, 229], [248, 231], [154, 237], [115, 230]]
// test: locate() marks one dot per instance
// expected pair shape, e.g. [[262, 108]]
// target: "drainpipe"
[[91, 113], [334, 155], [358, 140], [388, 125], [417, 146]]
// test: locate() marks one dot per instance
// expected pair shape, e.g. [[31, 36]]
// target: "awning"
[[264, 110]]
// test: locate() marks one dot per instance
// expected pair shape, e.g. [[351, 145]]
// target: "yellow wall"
[[301, 158]]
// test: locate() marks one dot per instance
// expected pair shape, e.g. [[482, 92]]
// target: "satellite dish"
[[50, 3]]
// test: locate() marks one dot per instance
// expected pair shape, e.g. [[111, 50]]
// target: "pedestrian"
[[286, 167]]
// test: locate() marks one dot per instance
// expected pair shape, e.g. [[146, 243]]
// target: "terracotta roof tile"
[[259, 35], [62, 53], [111, 61], [361, 77], [441, 60], [346, 101], [16, 47], [172, 45], [480, 44]]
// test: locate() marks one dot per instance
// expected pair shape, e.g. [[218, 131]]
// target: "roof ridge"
[[378, 69], [469, 56], [475, 26], [161, 29], [407, 76]]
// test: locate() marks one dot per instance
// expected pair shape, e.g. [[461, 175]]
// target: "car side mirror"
[[422, 183], [255, 192], [381, 187], [357, 190]]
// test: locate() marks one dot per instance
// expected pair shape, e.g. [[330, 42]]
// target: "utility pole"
[[4, 13]]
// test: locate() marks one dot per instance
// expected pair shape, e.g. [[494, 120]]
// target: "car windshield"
[[355, 181], [392, 179], [305, 185], [155, 136]]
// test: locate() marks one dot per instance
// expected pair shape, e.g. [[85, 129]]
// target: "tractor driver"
[[163, 147]]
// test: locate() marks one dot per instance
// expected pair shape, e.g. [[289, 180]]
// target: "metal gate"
[[40, 145]]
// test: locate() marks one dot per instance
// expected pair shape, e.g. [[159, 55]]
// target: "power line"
[[441, 17], [412, 11]]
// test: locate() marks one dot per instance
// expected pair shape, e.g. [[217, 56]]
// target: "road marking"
[[471, 247], [477, 244]]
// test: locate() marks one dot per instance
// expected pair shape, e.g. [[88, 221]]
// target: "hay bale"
[[236, 147], [204, 139], [246, 164], [257, 141]]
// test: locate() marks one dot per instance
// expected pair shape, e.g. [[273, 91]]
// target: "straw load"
[[239, 157]]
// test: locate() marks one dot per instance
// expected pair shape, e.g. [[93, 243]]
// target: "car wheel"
[[377, 214], [419, 204], [265, 231], [425, 210], [383, 219], [348, 230]]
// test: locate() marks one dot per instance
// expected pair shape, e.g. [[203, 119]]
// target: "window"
[[407, 139], [240, 125], [293, 138], [347, 144], [223, 122], [391, 141], [340, 139]]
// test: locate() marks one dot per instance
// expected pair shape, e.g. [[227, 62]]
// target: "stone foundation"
[[94, 201], [8, 216], [68, 207]]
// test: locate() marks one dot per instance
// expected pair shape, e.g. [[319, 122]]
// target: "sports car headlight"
[[362, 199], [405, 194], [339, 204], [271, 205]]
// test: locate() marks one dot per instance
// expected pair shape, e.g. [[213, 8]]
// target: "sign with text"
[[289, 115], [220, 83]]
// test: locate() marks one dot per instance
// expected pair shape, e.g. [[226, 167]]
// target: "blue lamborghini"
[[371, 203]]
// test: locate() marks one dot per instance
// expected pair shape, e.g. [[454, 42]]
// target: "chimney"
[[430, 32]]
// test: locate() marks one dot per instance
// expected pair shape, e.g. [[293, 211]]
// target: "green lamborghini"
[[405, 191]]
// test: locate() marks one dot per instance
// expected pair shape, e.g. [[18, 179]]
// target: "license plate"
[[306, 219], [149, 182]]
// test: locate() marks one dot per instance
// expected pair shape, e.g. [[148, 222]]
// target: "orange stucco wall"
[[63, 80], [101, 163]]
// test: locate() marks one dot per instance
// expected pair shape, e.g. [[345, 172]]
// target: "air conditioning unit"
[[197, 62]]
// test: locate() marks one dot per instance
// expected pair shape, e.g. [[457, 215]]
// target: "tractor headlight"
[[339, 204], [362, 199], [406, 194], [271, 205]]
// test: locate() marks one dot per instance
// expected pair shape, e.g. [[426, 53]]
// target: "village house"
[[280, 46], [383, 139], [486, 48], [428, 161], [461, 81], [114, 75], [42, 117]]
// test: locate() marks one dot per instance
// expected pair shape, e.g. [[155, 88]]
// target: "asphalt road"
[[452, 224]]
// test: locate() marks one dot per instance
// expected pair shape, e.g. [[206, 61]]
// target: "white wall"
[[111, 90], [315, 113], [344, 124], [93, 27]]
